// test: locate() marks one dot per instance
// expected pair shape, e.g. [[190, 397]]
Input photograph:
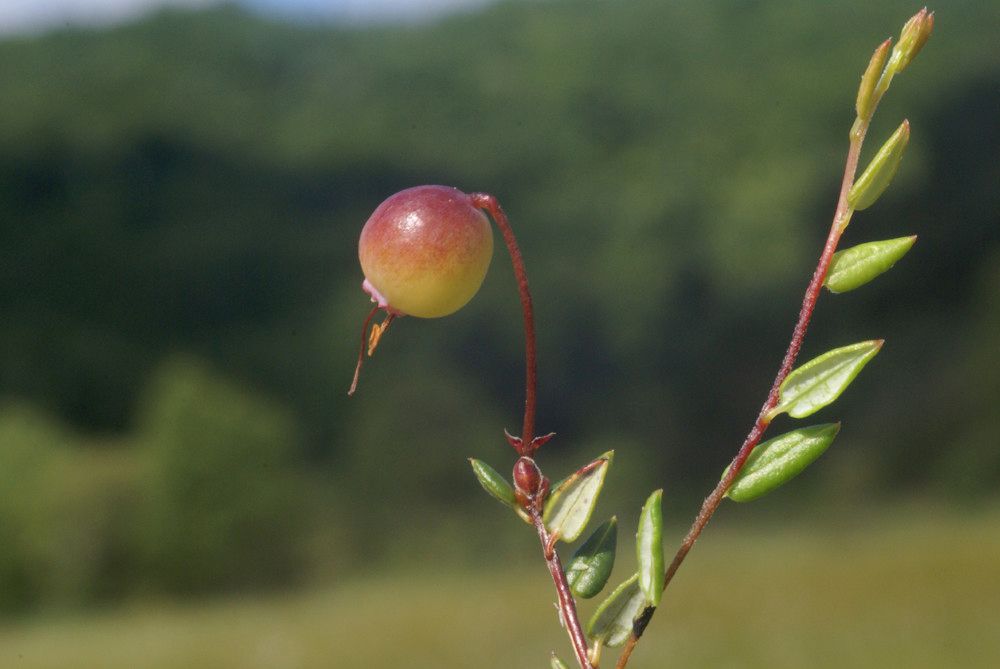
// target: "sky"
[[32, 16]]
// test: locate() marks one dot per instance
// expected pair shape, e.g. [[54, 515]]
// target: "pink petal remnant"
[[379, 299]]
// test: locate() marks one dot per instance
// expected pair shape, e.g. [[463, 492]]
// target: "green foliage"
[[572, 501], [493, 483], [589, 568], [867, 96], [612, 621], [196, 182], [649, 549], [220, 506], [65, 515], [219, 224], [820, 381], [203, 496], [878, 175], [856, 266], [826, 571], [780, 459], [28, 446]]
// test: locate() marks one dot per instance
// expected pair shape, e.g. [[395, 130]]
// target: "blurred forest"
[[180, 200]]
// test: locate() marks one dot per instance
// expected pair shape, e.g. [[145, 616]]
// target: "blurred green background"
[[184, 483]]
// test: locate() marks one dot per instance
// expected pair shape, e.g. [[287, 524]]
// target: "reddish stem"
[[567, 605], [527, 443], [840, 219], [490, 204]]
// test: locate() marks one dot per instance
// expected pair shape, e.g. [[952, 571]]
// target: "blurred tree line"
[[180, 201]]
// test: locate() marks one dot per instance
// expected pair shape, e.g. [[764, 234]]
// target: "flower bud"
[[912, 38], [530, 487]]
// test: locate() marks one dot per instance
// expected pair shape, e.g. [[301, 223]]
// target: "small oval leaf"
[[856, 266], [781, 459], [571, 503], [821, 380], [588, 570], [649, 548], [556, 663], [880, 171], [612, 621], [493, 483]]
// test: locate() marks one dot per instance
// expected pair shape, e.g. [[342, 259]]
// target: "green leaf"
[[493, 483], [588, 570], [821, 380], [612, 621], [649, 548], [778, 460], [571, 503], [880, 171], [867, 99], [556, 663], [856, 266]]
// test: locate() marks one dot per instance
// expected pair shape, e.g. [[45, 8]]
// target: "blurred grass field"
[[913, 589]]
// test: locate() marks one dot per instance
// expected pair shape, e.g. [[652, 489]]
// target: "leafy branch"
[[411, 259]]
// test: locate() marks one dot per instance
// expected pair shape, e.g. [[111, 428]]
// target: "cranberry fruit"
[[425, 251]]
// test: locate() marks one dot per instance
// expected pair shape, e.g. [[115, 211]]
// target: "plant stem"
[[567, 605], [361, 349], [490, 204], [841, 217]]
